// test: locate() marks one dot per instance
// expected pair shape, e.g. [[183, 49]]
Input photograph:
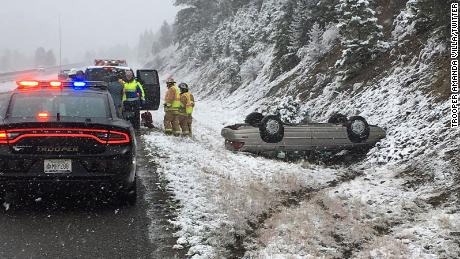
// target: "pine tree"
[[361, 35], [301, 22], [288, 109], [284, 57], [315, 47], [430, 14], [166, 36], [322, 11]]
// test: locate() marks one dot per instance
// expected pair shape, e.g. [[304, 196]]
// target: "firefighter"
[[172, 105], [133, 97], [187, 104]]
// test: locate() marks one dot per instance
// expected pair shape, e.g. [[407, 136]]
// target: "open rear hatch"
[[151, 82]]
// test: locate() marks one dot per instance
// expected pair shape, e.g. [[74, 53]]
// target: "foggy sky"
[[86, 24]]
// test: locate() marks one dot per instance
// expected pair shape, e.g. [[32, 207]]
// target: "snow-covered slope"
[[402, 200]]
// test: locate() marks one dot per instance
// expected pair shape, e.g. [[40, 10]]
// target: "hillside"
[[385, 60]]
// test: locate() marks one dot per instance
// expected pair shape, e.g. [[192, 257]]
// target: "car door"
[[151, 83], [298, 138], [327, 136]]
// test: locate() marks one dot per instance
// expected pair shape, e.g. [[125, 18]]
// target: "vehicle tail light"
[[3, 137], [12, 136], [235, 145], [116, 137]]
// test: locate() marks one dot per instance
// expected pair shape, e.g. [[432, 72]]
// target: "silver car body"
[[307, 137]]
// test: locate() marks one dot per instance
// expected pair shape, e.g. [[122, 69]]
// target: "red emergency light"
[[56, 84], [43, 115], [27, 84]]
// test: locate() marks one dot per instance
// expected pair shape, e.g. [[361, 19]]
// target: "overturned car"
[[261, 134]]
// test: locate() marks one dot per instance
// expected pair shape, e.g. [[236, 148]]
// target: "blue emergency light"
[[79, 84]]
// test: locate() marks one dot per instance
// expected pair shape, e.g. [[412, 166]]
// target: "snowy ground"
[[221, 191], [401, 201], [276, 209]]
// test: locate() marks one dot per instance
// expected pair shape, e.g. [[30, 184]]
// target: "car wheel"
[[128, 196], [358, 129], [271, 129], [338, 118], [254, 119]]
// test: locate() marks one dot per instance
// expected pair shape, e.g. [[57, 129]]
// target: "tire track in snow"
[[289, 200]]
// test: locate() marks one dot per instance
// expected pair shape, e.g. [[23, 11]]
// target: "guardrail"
[[9, 76]]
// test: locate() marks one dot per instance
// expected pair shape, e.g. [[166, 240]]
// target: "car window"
[[67, 105], [4, 102], [106, 74], [97, 74], [149, 78]]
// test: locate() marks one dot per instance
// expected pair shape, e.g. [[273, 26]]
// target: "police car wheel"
[[128, 196]]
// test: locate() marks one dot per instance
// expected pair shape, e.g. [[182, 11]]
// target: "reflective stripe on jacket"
[[188, 103], [172, 99], [133, 91]]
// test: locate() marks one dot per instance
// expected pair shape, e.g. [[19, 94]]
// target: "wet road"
[[91, 227]]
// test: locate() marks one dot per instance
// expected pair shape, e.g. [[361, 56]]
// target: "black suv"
[[65, 134]]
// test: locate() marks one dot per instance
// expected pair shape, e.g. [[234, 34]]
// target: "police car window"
[[84, 106], [4, 101]]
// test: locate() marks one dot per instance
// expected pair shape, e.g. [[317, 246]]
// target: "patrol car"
[[66, 135]]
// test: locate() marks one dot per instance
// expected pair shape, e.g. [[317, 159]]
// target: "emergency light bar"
[[33, 84]]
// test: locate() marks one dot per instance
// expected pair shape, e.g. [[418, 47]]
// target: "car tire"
[[338, 118], [128, 196], [271, 129], [358, 129], [254, 119]]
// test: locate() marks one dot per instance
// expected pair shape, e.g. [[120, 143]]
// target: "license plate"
[[58, 166]]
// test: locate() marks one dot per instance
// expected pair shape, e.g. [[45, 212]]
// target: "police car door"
[[151, 83]]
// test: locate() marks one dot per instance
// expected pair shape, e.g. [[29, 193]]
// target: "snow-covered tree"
[[299, 27], [251, 68], [289, 109], [431, 14], [314, 49], [285, 57], [165, 35], [146, 40], [361, 34]]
